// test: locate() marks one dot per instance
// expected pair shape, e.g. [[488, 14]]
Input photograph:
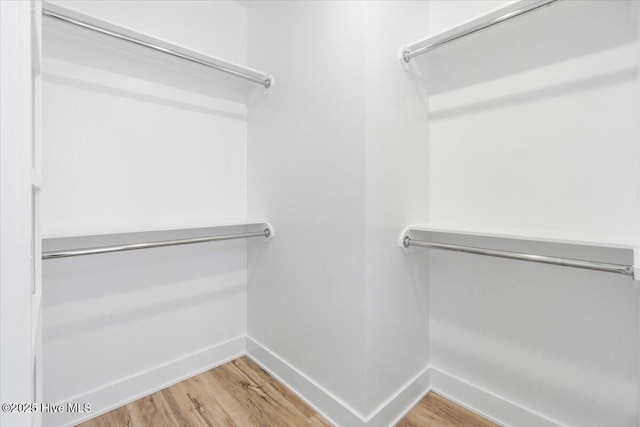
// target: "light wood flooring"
[[436, 411], [242, 394]]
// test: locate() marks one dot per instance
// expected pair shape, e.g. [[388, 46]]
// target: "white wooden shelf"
[[71, 242], [149, 57], [496, 16], [567, 238], [97, 232], [623, 250]]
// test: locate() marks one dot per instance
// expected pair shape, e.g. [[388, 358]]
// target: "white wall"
[[114, 316], [138, 143], [539, 131], [548, 339], [345, 151], [533, 126], [397, 180], [307, 175], [131, 145], [336, 158]]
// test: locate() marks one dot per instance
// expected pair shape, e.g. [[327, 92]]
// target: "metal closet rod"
[[135, 246], [266, 82], [407, 53], [627, 270]]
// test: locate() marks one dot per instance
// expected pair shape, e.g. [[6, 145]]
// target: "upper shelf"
[[82, 30], [493, 17]]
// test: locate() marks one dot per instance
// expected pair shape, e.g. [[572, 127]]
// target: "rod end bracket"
[[404, 242], [268, 232], [635, 276], [406, 55]]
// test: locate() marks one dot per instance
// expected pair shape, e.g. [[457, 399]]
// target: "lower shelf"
[[615, 255], [62, 247]]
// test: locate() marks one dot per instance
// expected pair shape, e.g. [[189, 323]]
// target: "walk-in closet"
[[324, 213]]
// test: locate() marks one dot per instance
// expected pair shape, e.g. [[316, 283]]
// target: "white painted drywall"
[[336, 158], [133, 142], [533, 126], [538, 131], [396, 181], [114, 316], [339, 158], [306, 160], [123, 152]]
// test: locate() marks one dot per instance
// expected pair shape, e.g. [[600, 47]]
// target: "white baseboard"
[[399, 404], [336, 411], [328, 405], [497, 409], [321, 400], [114, 395]]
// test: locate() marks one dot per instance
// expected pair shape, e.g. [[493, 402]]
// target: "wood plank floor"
[[436, 411], [242, 394]]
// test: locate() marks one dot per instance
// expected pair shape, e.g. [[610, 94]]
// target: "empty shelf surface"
[[80, 242], [587, 239], [85, 34], [537, 246], [493, 17]]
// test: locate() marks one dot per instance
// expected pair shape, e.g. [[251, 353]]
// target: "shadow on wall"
[[610, 407], [576, 86], [541, 336], [113, 290], [118, 317], [99, 52], [138, 96], [122, 273]]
